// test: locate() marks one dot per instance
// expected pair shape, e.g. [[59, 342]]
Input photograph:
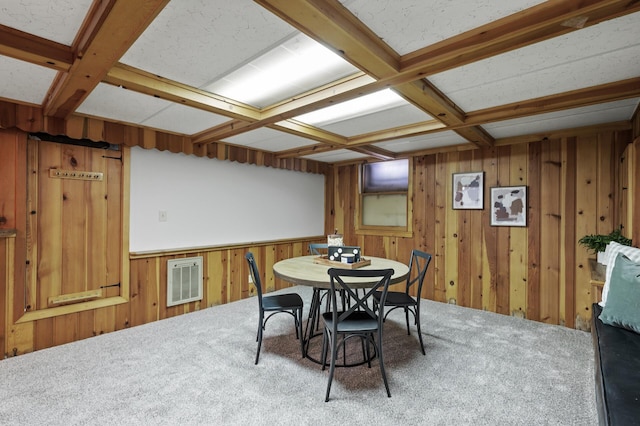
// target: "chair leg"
[[332, 369], [381, 361], [419, 330], [323, 357], [406, 316], [259, 338], [299, 331]]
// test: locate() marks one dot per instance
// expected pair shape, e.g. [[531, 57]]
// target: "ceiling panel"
[[121, 104], [336, 156], [393, 117], [56, 20], [567, 119], [183, 119], [268, 139], [23, 81], [409, 25], [298, 65], [600, 54], [198, 41]]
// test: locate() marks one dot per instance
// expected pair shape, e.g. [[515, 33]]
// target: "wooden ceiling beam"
[[307, 150], [398, 132], [609, 92], [144, 82], [107, 40], [422, 94], [34, 49], [334, 25], [297, 128], [547, 20], [538, 23], [374, 151]]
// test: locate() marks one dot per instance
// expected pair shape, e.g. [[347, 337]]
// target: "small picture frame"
[[468, 190], [509, 206]]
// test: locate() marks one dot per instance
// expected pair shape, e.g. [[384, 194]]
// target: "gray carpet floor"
[[480, 369]]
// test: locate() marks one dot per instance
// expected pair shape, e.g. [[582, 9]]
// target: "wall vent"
[[184, 280]]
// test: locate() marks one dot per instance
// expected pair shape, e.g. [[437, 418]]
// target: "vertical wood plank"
[[490, 234], [550, 239], [534, 231], [570, 243], [503, 236], [519, 241], [585, 222], [451, 240], [438, 260]]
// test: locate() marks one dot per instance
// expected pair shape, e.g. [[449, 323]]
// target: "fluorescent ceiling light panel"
[[364, 105], [298, 65]]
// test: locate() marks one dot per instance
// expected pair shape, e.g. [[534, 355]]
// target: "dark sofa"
[[617, 372]]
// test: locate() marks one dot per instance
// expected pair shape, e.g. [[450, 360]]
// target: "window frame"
[[382, 230]]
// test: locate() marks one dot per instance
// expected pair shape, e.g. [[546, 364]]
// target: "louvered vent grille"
[[184, 280]]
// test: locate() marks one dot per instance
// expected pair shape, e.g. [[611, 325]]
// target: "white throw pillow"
[[614, 249]]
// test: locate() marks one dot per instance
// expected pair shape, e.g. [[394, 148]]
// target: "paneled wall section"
[[537, 272]]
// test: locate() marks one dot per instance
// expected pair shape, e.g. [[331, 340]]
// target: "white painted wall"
[[259, 203]]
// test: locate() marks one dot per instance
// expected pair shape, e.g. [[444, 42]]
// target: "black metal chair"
[[358, 320], [289, 303], [418, 265], [318, 249]]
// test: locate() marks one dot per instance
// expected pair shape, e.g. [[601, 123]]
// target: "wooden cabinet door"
[[75, 224]]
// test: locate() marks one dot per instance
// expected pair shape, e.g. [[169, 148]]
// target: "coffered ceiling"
[[466, 74]]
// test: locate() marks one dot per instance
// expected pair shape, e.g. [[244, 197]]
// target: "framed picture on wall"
[[509, 206], [468, 190]]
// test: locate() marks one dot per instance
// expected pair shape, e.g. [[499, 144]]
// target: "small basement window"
[[384, 202]]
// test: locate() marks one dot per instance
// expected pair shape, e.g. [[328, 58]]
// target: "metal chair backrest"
[[357, 301], [255, 276], [418, 265], [318, 249]]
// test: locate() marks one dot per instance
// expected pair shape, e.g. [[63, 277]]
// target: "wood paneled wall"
[[538, 272]]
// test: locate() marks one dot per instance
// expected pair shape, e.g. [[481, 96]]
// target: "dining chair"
[[358, 320], [418, 265], [289, 303], [318, 248]]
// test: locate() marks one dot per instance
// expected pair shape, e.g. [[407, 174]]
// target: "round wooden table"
[[306, 270]]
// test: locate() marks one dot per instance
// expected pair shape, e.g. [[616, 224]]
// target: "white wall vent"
[[184, 280]]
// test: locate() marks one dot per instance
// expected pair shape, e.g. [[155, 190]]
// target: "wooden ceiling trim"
[[92, 22], [144, 82], [374, 151], [564, 133], [361, 47], [333, 25], [36, 50], [521, 29], [301, 104], [609, 92], [343, 90], [398, 133], [307, 150], [116, 33], [297, 128], [213, 134]]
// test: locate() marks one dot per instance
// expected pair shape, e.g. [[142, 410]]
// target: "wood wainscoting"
[[537, 272]]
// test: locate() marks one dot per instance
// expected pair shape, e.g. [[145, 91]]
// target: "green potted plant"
[[597, 243]]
